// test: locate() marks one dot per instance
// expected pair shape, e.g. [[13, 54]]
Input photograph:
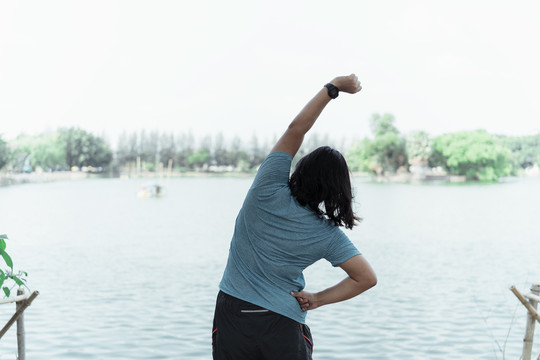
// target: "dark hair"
[[321, 178]]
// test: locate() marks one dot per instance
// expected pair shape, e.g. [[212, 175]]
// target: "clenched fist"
[[348, 84]]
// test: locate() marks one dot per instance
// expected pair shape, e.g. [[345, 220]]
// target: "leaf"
[[3, 236], [7, 258], [2, 244], [17, 280], [6, 291], [2, 278]]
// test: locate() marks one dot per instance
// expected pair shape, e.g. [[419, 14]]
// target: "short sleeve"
[[340, 249], [274, 170]]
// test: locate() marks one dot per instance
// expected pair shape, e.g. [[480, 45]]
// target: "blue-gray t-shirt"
[[275, 239]]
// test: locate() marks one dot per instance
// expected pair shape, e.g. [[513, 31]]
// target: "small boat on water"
[[150, 191]]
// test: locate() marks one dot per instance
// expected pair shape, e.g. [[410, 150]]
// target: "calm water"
[[127, 278]]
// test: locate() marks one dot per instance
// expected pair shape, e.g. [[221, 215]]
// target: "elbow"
[[370, 280], [297, 130], [373, 280], [366, 282]]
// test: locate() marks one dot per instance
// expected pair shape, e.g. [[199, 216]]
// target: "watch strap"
[[333, 91]]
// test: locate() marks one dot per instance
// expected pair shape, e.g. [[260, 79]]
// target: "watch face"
[[333, 91]]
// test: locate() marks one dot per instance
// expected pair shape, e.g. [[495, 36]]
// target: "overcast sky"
[[248, 67]]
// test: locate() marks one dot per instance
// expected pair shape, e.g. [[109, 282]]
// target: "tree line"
[[71, 148], [55, 151], [187, 154], [477, 155]]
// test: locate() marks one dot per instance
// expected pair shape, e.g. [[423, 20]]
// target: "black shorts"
[[243, 331]]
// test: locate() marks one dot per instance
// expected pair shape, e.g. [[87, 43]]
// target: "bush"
[[7, 276]]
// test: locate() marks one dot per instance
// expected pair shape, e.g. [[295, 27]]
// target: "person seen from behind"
[[285, 225]]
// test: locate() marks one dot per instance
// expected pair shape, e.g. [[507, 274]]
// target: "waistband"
[[236, 304]]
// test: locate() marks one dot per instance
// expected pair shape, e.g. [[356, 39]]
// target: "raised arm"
[[291, 140]]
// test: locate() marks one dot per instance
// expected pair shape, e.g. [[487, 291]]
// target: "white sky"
[[248, 67]]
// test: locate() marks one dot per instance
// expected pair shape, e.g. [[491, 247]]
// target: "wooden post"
[[24, 304], [531, 321], [20, 328], [527, 304]]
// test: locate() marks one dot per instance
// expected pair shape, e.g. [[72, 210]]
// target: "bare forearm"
[[344, 290], [310, 113], [360, 278]]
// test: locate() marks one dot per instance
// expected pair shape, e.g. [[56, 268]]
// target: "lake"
[[127, 278]]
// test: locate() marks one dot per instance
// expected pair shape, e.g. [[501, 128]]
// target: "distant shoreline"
[[45, 177]]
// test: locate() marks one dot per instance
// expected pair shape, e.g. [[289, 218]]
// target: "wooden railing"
[[530, 301], [22, 301]]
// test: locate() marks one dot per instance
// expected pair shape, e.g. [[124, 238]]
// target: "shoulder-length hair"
[[321, 181]]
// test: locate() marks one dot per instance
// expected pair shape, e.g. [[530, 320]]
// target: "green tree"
[[199, 158], [382, 124], [474, 154], [220, 151], [4, 153], [127, 148], [206, 144], [21, 153], [257, 152], [419, 146], [84, 149], [525, 150], [186, 144], [167, 148], [237, 156], [360, 156], [149, 146], [149, 149], [47, 151], [99, 154], [389, 150], [385, 153]]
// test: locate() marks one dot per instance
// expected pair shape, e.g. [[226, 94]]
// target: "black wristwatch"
[[333, 90]]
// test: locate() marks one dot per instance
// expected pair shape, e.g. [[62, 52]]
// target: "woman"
[[284, 226]]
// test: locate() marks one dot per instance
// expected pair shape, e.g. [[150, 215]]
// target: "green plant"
[[475, 154], [7, 276]]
